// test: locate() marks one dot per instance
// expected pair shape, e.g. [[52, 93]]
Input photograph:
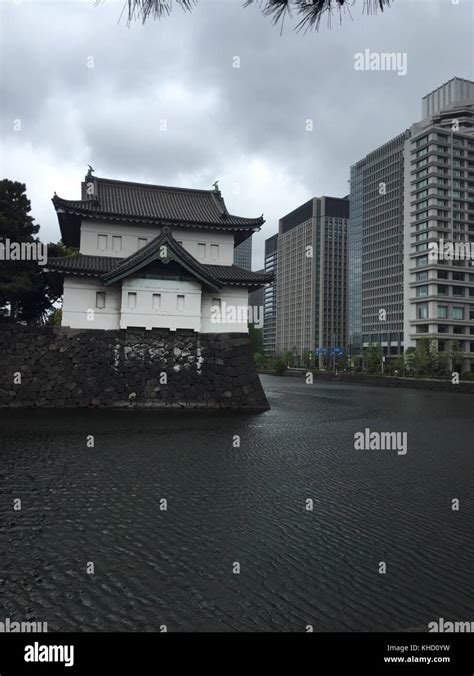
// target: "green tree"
[[310, 12], [426, 356], [29, 292], [394, 366], [433, 350], [307, 358], [256, 339], [422, 357], [373, 357], [444, 362], [279, 363], [54, 317], [410, 359], [455, 355], [16, 225]]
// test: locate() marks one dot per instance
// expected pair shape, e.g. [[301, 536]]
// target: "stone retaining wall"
[[61, 367]]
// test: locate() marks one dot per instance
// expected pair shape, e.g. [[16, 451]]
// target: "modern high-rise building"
[[439, 221], [269, 317], [406, 196], [243, 254], [376, 249], [256, 304], [311, 283]]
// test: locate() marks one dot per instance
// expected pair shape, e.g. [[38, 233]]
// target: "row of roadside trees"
[[423, 361]]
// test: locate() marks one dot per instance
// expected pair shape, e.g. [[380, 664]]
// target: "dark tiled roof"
[[97, 266], [122, 200], [86, 265], [230, 274]]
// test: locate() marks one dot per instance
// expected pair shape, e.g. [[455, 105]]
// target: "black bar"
[[323, 653]]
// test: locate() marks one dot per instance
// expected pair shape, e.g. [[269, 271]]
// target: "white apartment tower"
[[438, 217]]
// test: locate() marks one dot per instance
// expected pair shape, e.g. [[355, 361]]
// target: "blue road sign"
[[329, 350]]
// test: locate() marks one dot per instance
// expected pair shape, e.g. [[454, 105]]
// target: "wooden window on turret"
[[100, 300], [102, 242], [116, 244], [201, 251], [214, 252], [180, 303], [132, 301], [157, 301]]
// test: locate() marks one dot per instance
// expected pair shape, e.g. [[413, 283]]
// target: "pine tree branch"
[[155, 9], [311, 13]]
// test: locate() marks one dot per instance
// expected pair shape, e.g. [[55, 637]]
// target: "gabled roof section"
[[99, 266], [108, 199], [163, 248]]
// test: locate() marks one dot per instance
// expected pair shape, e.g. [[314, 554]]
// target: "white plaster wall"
[[192, 238], [167, 316], [230, 297], [130, 234], [80, 297]]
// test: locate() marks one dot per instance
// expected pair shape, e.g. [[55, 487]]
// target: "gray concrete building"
[[311, 283], [243, 254], [256, 303], [376, 249], [270, 309]]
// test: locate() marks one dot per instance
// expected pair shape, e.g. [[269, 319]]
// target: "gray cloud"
[[245, 126]]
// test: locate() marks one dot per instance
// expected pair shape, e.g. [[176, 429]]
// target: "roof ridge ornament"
[[219, 200]]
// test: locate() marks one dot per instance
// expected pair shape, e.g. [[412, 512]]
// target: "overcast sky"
[[245, 126]]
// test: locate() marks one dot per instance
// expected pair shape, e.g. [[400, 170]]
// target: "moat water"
[[226, 505]]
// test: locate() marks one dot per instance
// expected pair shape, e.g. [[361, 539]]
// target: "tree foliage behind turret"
[[16, 225], [25, 288]]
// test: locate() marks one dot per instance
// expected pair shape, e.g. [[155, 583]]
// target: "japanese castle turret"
[[153, 257]]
